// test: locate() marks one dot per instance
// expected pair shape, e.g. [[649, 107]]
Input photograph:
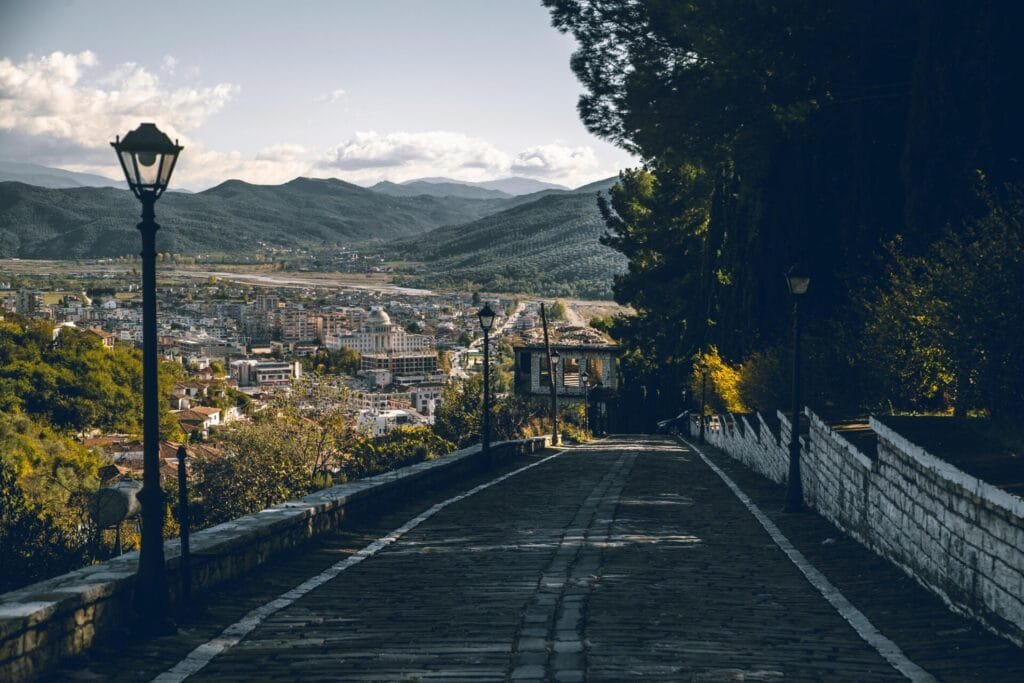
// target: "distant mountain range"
[[416, 188], [44, 176], [544, 241], [511, 186]]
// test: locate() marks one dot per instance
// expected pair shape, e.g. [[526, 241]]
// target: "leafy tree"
[[771, 135], [294, 446], [45, 481], [458, 418], [944, 330], [400, 447], [72, 381], [341, 362], [556, 311]]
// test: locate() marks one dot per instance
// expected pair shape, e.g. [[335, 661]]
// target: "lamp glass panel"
[[129, 168], [166, 167], [798, 285], [149, 172]]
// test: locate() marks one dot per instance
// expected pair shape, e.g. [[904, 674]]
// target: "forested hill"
[[231, 218], [548, 245]]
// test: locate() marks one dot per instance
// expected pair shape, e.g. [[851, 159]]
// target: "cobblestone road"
[[628, 559]]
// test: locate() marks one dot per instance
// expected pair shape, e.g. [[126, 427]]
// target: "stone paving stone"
[[611, 562]]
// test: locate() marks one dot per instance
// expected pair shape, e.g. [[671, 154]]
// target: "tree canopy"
[[815, 135]]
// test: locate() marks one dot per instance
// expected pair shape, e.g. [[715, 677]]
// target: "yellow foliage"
[[723, 383]]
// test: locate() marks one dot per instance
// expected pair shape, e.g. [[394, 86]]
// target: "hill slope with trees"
[[548, 246]]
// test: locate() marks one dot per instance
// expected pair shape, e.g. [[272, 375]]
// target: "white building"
[[379, 423], [264, 374], [378, 335]]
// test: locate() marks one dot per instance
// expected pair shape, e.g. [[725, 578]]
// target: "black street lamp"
[[585, 378], [486, 316], [147, 158], [797, 285], [703, 395], [554, 397]]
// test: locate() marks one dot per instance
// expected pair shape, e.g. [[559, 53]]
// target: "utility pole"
[[551, 376]]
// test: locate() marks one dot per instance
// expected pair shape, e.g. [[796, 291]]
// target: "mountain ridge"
[[54, 178], [546, 242]]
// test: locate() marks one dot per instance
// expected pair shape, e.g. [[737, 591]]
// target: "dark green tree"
[[778, 134]]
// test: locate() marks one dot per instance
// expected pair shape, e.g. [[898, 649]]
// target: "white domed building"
[[379, 335]]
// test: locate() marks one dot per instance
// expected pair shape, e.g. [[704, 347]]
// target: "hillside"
[[231, 218], [454, 189], [548, 246]]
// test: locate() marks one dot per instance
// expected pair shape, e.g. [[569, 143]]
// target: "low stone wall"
[[62, 617], [958, 536], [750, 439]]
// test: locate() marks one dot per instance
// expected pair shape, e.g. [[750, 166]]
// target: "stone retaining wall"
[[62, 617], [958, 536]]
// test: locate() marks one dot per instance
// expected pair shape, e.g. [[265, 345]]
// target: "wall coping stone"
[[982, 489], [854, 452]]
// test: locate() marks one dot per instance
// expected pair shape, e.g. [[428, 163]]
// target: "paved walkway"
[[629, 559]]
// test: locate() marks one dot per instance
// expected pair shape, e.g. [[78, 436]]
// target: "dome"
[[379, 317]]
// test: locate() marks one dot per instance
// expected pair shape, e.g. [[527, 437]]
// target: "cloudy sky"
[[266, 91]]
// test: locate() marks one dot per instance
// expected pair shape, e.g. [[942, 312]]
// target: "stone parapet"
[[956, 535], [64, 616]]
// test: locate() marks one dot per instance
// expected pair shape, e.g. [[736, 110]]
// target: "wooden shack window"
[[545, 372], [571, 371]]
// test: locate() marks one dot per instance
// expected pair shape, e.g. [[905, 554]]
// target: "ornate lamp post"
[[147, 158], [554, 397], [703, 395], [486, 316], [797, 285], [585, 378]]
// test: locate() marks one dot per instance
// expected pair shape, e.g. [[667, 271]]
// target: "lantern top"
[[486, 315], [147, 158], [146, 138]]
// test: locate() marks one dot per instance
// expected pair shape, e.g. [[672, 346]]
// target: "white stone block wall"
[[958, 536], [758, 448]]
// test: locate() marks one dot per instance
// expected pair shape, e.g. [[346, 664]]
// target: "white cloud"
[[439, 149], [50, 96], [285, 152], [331, 97], [370, 156], [169, 64], [555, 161]]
